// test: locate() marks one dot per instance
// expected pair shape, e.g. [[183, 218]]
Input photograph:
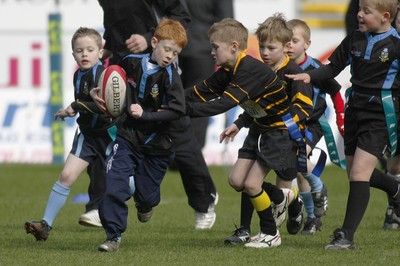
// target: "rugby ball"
[[112, 85]]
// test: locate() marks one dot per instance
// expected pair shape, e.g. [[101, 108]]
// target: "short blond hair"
[[274, 28], [87, 32], [390, 6], [298, 23], [229, 30]]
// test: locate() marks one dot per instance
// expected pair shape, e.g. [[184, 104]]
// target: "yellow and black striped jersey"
[[251, 84], [300, 93]]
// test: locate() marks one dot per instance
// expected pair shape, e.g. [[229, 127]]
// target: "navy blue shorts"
[[89, 148]]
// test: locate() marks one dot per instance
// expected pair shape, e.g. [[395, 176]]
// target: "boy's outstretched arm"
[[302, 76]]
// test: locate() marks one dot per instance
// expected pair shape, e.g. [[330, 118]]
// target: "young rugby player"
[[97, 130], [371, 116], [143, 148], [312, 189], [245, 81], [274, 38]]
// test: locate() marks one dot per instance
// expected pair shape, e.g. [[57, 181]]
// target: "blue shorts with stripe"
[[89, 148]]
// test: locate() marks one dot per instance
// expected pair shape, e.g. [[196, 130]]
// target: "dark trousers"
[[148, 172], [97, 185], [195, 68], [189, 160], [197, 182]]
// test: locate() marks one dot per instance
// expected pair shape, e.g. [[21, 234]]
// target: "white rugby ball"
[[112, 85]]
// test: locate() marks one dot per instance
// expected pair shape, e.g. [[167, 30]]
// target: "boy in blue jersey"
[[312, 189], [129, 26], [392, 221], [143, 148], [96, 129], [371, 116]]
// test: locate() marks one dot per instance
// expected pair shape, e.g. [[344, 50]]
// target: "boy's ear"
[[386, 17], [234, 47], [154, 42], [307, 44], [101, 52]]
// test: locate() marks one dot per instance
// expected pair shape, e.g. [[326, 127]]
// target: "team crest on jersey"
[[154, 91], [384, 55], [355, 52]]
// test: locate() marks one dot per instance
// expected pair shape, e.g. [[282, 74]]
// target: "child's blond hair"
[[298, 23], [87, 32], [274, 28], [390, 6], [229, 30], [169, 29]]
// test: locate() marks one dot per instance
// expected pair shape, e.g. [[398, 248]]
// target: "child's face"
[[224, 54], [164, 51], [272, 52], [298, 46], [86, 52], [372, 20]]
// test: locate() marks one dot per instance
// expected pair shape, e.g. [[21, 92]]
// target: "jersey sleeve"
[[301, 94], [339, 60]]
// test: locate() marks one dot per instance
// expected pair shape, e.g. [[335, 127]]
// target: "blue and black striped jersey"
[[159, 92], [374, 61], [329, 86], [91, 120]]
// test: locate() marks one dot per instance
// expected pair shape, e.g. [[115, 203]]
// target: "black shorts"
[[273, 149], [366, 130], [313, 134]]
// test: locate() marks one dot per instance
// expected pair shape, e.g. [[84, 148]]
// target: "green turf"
[[169, 238]]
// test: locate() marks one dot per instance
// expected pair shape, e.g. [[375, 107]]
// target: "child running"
[[274, 38], [312, 190], [245, 81], [143, 148], [370, 122], [96, 129]]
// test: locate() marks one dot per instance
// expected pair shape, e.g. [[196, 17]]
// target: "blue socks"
[[308, 203], [58, 197], [314, 181]]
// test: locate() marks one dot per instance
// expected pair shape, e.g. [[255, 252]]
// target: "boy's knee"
[[236, 185]]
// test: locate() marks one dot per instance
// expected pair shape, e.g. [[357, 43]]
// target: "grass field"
[[169, 238]]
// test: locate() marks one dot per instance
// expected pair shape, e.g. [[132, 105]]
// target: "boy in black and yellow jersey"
[[274, 39], [245, 81]]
